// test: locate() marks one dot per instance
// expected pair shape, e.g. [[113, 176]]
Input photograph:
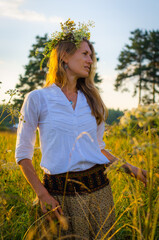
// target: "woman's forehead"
[[85, 47]]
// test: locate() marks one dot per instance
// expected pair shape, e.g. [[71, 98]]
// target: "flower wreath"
[[69, 33]]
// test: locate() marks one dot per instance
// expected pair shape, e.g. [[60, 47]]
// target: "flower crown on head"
[[69, 33]]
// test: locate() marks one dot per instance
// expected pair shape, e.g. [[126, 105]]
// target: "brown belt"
[[86, 181]]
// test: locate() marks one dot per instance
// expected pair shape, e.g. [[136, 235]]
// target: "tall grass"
[[136, 206]]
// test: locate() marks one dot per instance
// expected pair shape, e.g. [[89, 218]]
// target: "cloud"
[[11, 9], [55, 19]]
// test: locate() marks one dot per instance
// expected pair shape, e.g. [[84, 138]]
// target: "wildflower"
[[127, 114], [149, 108], [138, 114], [133, 111], [65, 30], [9, 166], [141, 123], [8, 151], [124, 121], [141, 108], [2, 160], [149, 114]]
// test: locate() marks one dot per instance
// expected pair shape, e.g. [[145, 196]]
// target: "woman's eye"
[[85, 53]]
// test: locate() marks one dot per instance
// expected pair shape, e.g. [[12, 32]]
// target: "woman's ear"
[[65, 57]]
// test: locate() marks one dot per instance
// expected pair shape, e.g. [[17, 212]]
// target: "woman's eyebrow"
[[86, 51]]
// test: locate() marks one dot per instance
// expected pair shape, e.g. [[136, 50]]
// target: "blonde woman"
[[70, 115]]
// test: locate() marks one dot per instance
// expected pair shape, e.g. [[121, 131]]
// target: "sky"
[[22, 20]]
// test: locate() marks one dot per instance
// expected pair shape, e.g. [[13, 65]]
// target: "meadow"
[[136, 206]]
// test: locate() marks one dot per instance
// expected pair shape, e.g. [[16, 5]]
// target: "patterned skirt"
[[87, 202]]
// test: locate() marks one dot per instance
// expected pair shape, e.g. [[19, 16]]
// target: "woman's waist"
[[85, 181]]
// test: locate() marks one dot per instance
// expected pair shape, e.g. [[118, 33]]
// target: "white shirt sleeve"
[[26, 133], [100, 132]]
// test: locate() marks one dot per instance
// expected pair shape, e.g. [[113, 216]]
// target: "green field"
[[136, 206]]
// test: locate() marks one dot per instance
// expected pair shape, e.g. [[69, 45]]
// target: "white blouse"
[[70, 140]]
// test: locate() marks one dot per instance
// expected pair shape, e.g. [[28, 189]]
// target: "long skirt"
[[90, 215]]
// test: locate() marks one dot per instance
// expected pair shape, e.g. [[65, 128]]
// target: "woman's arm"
[[130, 169], [41, 192]]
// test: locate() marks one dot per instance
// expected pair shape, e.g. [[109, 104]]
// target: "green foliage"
[[141, 118], [8, 120], [113, 116], [8, 113], [140, 61], [152, 72], [33, 77], [140, 220]]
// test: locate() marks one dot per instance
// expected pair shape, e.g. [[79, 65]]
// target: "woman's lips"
[[86, 67]]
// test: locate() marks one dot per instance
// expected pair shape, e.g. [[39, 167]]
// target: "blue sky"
[[22, 20]]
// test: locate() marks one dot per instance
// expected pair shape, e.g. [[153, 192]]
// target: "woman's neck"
[[69, 90], [70, 87]]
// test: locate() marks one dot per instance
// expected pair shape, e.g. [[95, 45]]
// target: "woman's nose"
[[90, 60]]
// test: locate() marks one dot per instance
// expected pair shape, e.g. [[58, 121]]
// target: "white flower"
[[149, 114], [124, 121], [138, 114], [8, 151], [149, 108], [9, 166]]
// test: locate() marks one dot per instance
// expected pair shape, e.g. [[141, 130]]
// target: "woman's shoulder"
[[36, 93], [42, 95]]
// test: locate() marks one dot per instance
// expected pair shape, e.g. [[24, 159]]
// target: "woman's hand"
[[138, 173], [48, 203]]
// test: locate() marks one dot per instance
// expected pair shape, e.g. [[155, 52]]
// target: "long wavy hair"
[[57, 74]]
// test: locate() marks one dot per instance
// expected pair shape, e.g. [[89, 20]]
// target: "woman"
[[70, 115]]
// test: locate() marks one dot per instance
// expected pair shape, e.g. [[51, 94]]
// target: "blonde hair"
[[57, 74]]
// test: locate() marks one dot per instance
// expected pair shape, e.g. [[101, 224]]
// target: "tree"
[[152, 72], [33, 77], [114, 116], [132, 63]]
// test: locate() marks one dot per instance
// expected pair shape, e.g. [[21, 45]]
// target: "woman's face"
[[80, 62]]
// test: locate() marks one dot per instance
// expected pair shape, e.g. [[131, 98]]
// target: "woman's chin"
[[84, 75]]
